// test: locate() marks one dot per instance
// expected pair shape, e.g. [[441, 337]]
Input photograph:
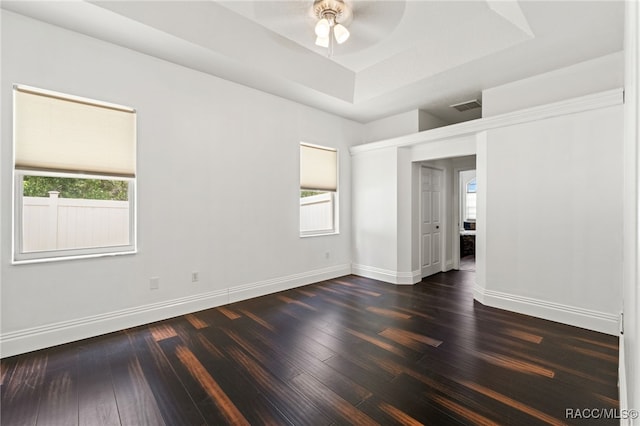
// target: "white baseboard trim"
[[31, 339], [386, 275], [622, 382], [478, 293], [580, 317], [261, 288]]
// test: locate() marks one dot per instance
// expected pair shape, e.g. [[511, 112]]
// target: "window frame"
[[466, 217], [20, 257], [335, 230], [17, 229]]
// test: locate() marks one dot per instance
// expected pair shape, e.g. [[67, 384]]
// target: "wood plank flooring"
[[344, 351], [468, 263]]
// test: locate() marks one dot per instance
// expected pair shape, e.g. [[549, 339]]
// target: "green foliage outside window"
[[304, 193], [93, 189]]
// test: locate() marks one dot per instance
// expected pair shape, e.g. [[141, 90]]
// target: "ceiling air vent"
[[467, 105]]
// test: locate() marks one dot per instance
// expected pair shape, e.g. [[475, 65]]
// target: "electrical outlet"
[[154, 283], [195, 277]]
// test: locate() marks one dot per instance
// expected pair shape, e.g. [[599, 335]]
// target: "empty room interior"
[[319, 212]]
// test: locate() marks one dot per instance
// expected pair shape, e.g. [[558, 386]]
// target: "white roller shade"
[[318, 168], [60, 133]]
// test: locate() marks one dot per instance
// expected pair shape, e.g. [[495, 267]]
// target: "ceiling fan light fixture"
[[341, 33], [322, 41], [332, 17], [322, 28]]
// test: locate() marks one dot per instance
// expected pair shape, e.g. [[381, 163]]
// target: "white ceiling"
[[402, 54]]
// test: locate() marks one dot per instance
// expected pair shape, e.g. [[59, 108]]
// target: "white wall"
[[201, 141], [630, 340], [554, 218], [593, 76], [374, 204], [427, 121], [401, 124]]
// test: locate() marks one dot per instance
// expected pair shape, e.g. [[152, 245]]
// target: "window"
[[74, 171], [318, 189], [470, 203]]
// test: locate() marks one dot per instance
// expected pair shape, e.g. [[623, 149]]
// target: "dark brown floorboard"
[[468, 263], [344, 351]]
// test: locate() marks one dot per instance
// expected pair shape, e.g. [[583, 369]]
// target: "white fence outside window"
[[52, 223], [316, 213]]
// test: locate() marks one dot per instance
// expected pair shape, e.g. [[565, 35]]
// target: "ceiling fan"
[[297, 20], [333, 17]]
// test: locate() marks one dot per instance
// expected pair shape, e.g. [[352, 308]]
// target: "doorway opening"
[[444, 223]]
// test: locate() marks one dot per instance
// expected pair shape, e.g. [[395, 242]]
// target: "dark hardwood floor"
[[468, 263], [344, 351]]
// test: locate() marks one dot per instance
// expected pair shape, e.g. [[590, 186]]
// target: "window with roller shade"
[[75, 175], [318, 190]]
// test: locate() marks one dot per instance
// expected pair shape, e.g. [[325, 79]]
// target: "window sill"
[[71, 257], [319, 234]]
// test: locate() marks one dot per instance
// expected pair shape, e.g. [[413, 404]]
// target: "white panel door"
[[431, 220]]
